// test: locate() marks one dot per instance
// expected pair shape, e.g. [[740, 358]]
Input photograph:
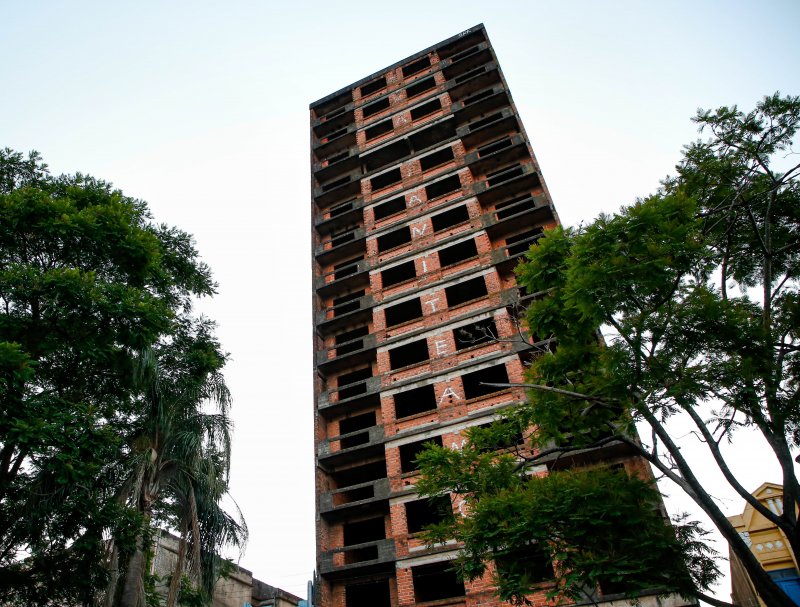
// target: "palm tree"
[[179, 464]]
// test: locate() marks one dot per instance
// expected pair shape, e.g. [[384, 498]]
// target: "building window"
[[465, 291], [414, 401], [457, 253], [394, 239], [436, 581], [403, 312], [474, 383], [373, 87], [426, 109], [408, 354], [416, 67], [410, 451]]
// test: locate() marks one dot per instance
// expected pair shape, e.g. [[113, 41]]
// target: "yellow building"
[[770, 547]]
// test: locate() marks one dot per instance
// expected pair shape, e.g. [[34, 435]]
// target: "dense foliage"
[[695, 289], [90, 290]]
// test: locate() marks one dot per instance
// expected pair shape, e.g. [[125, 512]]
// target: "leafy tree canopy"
[[88, 283], [696, 291]]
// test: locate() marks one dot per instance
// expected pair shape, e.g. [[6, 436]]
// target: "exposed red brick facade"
[[426, 194]]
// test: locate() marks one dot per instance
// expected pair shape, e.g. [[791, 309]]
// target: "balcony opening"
[[403, 312], [360, 532], [354, 424], [394, 239], [368, 594], [334, 104], [397, 274], [337, 157], [532, 562], [474, 126], [389, 208], [379, 129], [436, 581], [341, 209], [346, 268], [335, 134], [457, 253], [349, 340], [473, 382], [359, 475], [340, 238], [409, 452], [374, 108], [520, 243], [450, 218], [437, 158], [426, 109], [416, 67], [470, 74], [495, 146], [347, 303], [335, 184], [352, 383], [465, 291], [408, 354], [442, 187], [373, 87], [481, 332], [507, 208], [478, 96], [414, 401], [465, 54], [386, 179], [420, 87], [429, 511], [503, 175]]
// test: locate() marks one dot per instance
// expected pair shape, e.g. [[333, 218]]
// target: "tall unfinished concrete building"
[[426, 194]]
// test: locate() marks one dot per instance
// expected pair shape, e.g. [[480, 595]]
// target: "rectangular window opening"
[[389, 208], [437, 158], [436, 581], [442, 187], [361, 532], [394, 239], [533, 562], [408, 354], [426, 84], [403, 312], [353, 383], [343, 237], [465, 54], [335, 134], [409, 452], [373, 87], [474, 382], [414, 401], [374, 108], [378, 129], [397, 274], [426, 109], [337, 157], [425, 512], [481, 332], [457, 253], [368, 594], [508, 207], [450, 218], [418, 66], [470, 74], [465, 291], [384, 180]]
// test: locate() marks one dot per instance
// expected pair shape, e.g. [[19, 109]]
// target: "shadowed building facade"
[[425, 195]]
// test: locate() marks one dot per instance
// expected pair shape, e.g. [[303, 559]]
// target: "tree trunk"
[[133, 589]]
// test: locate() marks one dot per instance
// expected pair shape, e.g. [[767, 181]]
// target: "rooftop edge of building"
[[372, 76]]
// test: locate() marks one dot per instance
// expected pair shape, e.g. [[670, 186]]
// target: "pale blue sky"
[[200, 108]]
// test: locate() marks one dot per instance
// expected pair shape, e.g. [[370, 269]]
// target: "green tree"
[[179, 464], [87, 281], [696, 289]]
